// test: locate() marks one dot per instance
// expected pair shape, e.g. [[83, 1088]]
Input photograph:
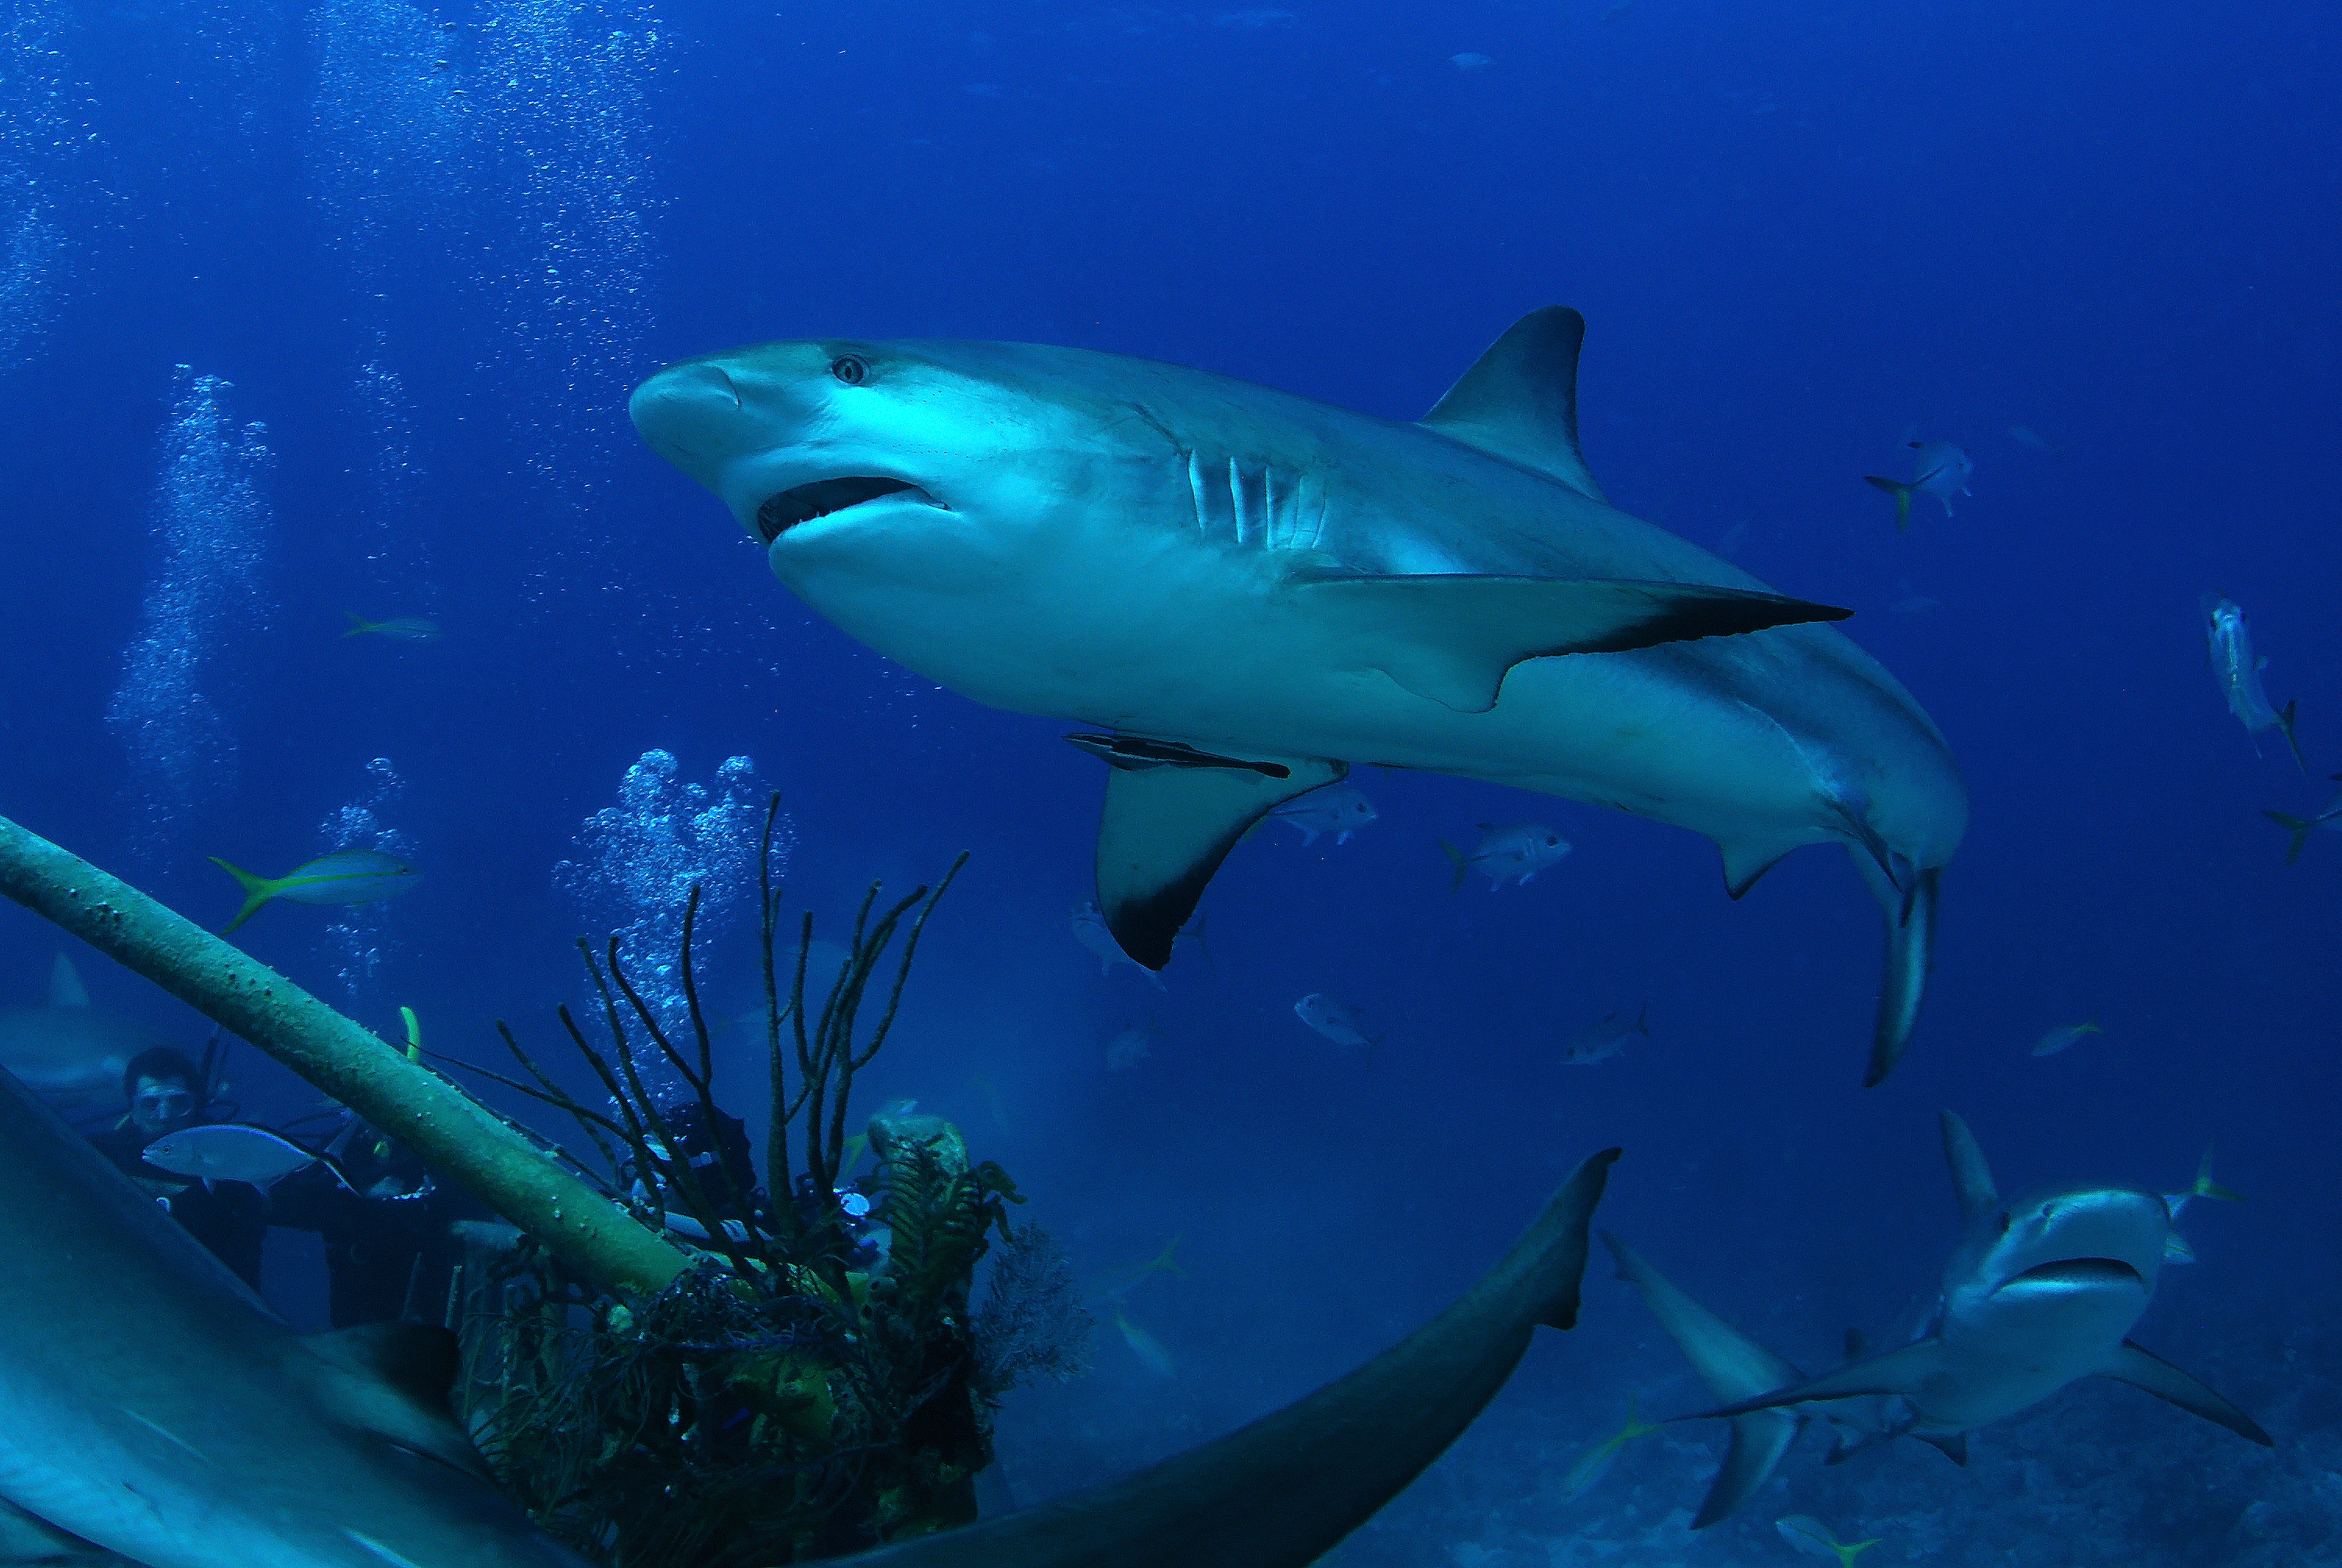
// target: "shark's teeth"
[[785, 511]]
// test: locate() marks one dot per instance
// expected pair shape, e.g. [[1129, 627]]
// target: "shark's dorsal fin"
[[1971, 1177], [1519, 400], [65, 989], [1172, 814]]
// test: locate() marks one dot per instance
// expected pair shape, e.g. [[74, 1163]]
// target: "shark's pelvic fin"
[[2142, 1369], [1450, 637], [1971, 1177], [1519, 400], [1910, 952], [1745, 861], [1172, 814], [65, 989], [1898, 1372], [392, 1378]]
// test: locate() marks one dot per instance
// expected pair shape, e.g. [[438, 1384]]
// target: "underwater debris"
[[800, 1391]]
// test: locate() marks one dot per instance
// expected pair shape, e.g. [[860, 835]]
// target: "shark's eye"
[[850, 368]]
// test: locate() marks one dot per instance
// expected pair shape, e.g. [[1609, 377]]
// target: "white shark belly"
[[2002, 1360]]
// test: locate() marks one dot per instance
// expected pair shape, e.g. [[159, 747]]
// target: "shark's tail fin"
[[257, 891], [1455, 856], [2285, 721], [2293, 825], [1902, 494]]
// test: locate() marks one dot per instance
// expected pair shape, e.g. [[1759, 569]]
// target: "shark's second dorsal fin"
[[1970, 1175], [65, 989], [1519, 400], [392, 1379]]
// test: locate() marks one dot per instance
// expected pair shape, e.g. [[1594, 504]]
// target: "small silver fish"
[[2229, 639], [1339, 809], [1940, 470], [2026, 435], [398, 628], [2057, 1040], [232, 1151], [344, 876], [1089, 930], [1132, 1047], [1514, 854], [2330, 819], [1344, 1023], [1606, 1037], [1145, 1347]]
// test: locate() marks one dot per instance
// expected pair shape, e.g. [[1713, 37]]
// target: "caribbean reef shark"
[[1247, 592], [152, 1409], [2038, 1293], [1281, 1493], [68, 1049]]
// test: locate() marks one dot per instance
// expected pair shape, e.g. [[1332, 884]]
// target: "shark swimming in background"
[[155, 1409], [2039, 1293], [66, 1049], [1245, 592]]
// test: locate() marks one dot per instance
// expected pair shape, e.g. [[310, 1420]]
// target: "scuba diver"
[[164, 1092]]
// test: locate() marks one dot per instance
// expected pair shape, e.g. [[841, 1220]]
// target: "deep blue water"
[[1802, 236]]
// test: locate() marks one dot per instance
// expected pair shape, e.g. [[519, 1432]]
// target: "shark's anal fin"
[[1449, 637], [1172, 814], [2143, 1369], [1519, 400], [1952, 1445], [1971, 1177]]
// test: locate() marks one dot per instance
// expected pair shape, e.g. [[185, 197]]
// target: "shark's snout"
[[688, 414]]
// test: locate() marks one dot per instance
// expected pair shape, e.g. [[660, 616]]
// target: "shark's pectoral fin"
[[1519, 400], [2142, 1369], [1971, 1177], [1910, 908], [1901, 1371], [392, 1379], [1952, 1445], [1758, 1440], [1450, 637], [1172, 814]]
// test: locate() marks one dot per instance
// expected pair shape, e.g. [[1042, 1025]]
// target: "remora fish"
[[157, 1409], [2228, 640], [2038, 1293], [1280, 1492], [67, 1048], [1248, 590]]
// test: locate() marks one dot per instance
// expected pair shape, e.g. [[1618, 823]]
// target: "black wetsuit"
[[230, 1217]]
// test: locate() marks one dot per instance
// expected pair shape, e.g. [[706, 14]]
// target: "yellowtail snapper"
[[344, 876]]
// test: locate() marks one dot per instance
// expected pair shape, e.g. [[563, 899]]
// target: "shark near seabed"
[[2041, 1292], [1247, 592]]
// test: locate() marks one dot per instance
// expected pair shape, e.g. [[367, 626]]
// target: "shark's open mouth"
[[781, 513], [2080, 1272]]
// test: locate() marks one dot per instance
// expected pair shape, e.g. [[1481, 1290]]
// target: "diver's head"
[[160, 1088]]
